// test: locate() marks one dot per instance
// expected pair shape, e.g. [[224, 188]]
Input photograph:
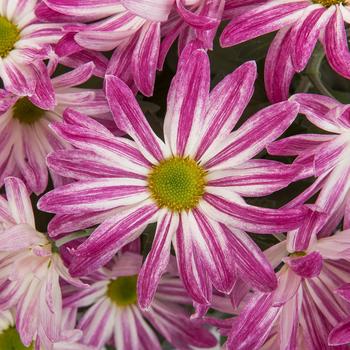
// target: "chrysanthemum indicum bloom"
[[26, 138], [114, 316], [132, 27], [304, 308], [24, 44], [30, 271], [191, 185], [300, 23], [10, 340], [324, 156]]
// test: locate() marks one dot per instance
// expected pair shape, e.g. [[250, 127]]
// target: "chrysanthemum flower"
[[25, 136], [191, 20], [24, 44], [191, 185], [133, 27], [114, 316], [302, 311], [300, 23], [325, 156], [30, 271]]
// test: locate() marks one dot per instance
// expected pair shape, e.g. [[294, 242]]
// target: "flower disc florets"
[[9, 339], [328, 3], [122, 291], [9, 35], [26, 112], [177, 183]]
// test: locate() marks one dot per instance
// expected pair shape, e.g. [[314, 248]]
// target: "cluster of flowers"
[[112, 173]]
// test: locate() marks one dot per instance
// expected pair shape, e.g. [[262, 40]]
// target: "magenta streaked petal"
[[307, 266], [250, 218], [18, 237], [157, 259], [95, 195], [19, 201], [344, 291], [187, 101], [253, 136], [261, 20], [340, 335], [111, 236], [125, 336], [153, 10], [305, 34], [227, 102], [129, 118], [251, 328], [336, 44], [279, 70], [252, 265], [255, 178], [145, 58]]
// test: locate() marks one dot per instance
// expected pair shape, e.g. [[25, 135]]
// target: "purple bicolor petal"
[[252, 265], [153, 10], [111, 236], [253, 136], [305, 34], [157, 259], [307, 266], [129, 118], [187, 101], [19, 201], [95, 195], [253, 219], [255, 178], [344, 291], [336, 44], [279, 70], [227, 102], [251, 328], [145, 58], [340, 334]]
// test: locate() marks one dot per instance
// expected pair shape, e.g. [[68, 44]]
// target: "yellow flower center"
[[9, 35], [328, 3], [10, 340], [177, 183], [26, 112], [122, 291]]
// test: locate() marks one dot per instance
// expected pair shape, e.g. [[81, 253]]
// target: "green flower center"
[[10, 340], [26, 112], [328, 3], [9, 35], [177, 183], [122, 291], [297, 254]]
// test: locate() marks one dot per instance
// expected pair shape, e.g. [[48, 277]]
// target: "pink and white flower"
[[303, 309], [113, 316], [30, 271], [130, 27], [300, 24], [24, 44], [26, 138], [324, 156], [191, 185]]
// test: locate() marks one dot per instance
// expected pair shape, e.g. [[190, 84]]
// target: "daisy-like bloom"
[[26, 138], [31, 270], [24, 44], [9, 337], [324, 156], [300, 23], [132, 27], [191, 20], [191, 185], [114, 316], [303, 309]]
